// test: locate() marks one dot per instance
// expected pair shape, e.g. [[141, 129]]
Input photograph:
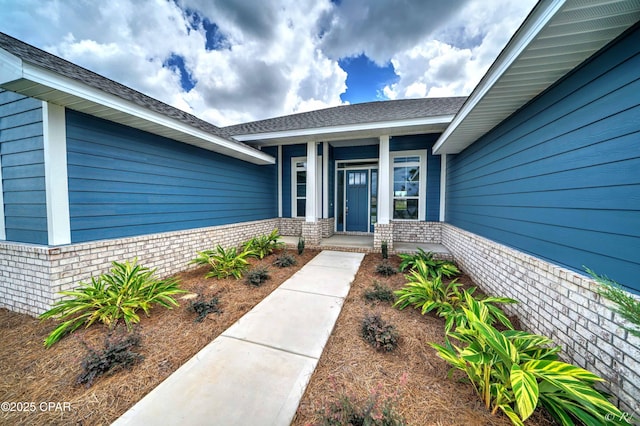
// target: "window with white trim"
[[408, 194], [298, 186]]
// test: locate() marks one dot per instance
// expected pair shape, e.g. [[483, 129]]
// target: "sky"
[[234, 61]]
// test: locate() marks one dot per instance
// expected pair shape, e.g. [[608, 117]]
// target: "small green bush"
[[433, 267], [627, 306], [264, 245], [203, 308], [384, 247], [378, 333], [285, 260], [115, 355], [112, 297], [300, 246], [224, 262], [257, 276], [385, 269], [378, 409], [379, 292]]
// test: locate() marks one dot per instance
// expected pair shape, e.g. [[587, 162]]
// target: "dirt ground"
[[414, 372], [426, 396], [31, 374]]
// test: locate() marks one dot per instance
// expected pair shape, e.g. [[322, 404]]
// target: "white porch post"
[[325, 180], [443, 186], [279, 180], [312, 186], [55, 173], [384, 185]]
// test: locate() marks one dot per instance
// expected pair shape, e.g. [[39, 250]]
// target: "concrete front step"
[[257, 371]]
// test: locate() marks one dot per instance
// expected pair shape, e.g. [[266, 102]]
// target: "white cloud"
[[453, 61]]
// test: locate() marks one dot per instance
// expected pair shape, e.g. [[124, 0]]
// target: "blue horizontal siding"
[[22, 160], [560, 179], [125, 182]]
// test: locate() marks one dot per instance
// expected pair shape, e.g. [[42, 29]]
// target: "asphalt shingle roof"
[[370, 112], [35, 56]]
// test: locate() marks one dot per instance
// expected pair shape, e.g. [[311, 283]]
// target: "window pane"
[[301, 164], [406, 181], [414, 159], [405, 208], [301, 177], [351, 178], [301, 190], [301, 207]]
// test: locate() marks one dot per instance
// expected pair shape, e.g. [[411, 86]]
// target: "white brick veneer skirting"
[[558, 303], [31, 276]]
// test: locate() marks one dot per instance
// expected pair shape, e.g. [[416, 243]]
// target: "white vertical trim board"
[[325, 180], [443, 187], [55, 174], [384, 185], [312, 187], [280, 181], [3, 228]]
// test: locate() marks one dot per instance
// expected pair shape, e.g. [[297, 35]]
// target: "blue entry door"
[[357, 201]]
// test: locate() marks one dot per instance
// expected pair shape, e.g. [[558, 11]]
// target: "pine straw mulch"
[[29, 373], [413, 372]]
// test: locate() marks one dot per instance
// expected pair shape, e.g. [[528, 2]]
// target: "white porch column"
[[384, 185], [443, 186], [279, 180], [55, 173], [312, 186], [325, 180]]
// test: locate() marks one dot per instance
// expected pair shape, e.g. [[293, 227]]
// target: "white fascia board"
[[67, 85], [10, 67], [523, 37], [317, 131]]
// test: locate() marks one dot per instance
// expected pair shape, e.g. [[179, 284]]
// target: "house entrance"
[[356, 200]]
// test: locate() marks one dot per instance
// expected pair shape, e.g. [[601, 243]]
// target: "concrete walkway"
[[256, 372]]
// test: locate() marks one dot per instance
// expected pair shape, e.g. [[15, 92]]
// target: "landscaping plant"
[[515, 371], [115, 355], [378, 333], [384, 247], [626, 305], [224, 263], [112, 297], [204, 308], [300, 246], [385, 269], [379, 292], [264, 245], [433, 267], [257, 276], [285, 260]]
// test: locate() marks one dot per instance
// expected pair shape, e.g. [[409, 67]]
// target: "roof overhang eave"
[[34, 81], [350, 131]]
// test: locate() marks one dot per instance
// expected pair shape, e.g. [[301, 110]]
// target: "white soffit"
[[555, 38], [36, 82]]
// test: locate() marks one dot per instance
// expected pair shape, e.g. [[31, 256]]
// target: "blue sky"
[[236, 61]]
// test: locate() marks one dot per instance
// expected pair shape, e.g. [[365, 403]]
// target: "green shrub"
[[432, 267], [514, 371], [626, 305], [300, 246], [110, 298], [385, 269], [257, 276], [264, 245], [379, 292], [115, 355], [377, 409], [384, 247], [378, 333], [224, 263], [285, 260], [203, 308]]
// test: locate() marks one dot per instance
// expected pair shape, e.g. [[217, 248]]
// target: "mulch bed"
[[31, 374], [414, 372]]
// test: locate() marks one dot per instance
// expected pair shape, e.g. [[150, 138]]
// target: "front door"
[[356, 204]]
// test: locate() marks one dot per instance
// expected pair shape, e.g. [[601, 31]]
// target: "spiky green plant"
[[626, 305], [264, 245], [430, 266], [515, 371], [224, 262], [109, 298]]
